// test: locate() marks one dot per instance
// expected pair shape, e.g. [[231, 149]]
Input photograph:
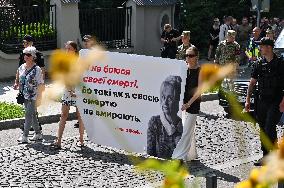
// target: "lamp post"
[[258, 12]]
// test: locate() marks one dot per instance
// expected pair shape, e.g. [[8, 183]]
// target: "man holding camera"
[[169, 38]]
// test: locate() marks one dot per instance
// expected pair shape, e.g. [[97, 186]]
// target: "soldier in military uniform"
[[269, 74], [184, 46], [228, 51]]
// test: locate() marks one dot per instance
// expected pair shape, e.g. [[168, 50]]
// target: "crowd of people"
[[233, 44], [245, 31], [29, 81]]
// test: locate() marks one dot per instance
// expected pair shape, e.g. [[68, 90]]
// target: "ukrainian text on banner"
[[121, 97]]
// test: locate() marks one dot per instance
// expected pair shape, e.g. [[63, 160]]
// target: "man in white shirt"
[[224, 28]]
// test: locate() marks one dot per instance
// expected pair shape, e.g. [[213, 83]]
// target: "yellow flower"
[[254, 175], [274, 169], [211, 74], [209, 70], [63, 67], [244, 184]]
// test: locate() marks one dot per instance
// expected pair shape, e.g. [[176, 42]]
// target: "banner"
[[126, 100]]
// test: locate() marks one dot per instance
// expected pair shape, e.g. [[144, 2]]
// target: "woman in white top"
[[30, 83]]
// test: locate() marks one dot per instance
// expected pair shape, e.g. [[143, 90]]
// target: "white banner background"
[[149, 72]]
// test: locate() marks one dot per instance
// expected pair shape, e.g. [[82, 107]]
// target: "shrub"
[[37, 30], [10, 111]]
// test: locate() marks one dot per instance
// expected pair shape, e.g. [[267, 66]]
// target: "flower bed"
[[10, 111]]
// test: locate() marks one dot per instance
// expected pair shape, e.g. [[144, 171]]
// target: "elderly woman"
[[68, 99], [164, 131], [186, 149], [30, 83]]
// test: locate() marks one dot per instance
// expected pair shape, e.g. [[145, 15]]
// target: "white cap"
[[30, 50]]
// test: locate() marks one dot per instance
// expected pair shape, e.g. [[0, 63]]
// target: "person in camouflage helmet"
[[228, 51], [185, 45]]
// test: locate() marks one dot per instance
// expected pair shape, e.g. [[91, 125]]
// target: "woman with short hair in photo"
[[164, 130]]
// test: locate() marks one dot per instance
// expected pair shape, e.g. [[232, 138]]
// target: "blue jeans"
[[30, 117]]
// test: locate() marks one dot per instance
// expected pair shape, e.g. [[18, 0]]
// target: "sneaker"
[[23, 139], [36, 137]]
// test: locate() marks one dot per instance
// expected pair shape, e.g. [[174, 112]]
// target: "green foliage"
[[10, 111], [174, 172], [200, 14], [37, 30]]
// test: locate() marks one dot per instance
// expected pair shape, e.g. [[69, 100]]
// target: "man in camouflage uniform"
[[228, 51], [185, 45]]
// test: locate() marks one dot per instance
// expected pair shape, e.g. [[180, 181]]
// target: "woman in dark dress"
[[186, 149], [214, 38]]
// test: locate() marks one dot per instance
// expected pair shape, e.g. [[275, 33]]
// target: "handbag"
[[20, 97]]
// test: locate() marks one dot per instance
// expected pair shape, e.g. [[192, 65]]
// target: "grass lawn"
[[10, 111]]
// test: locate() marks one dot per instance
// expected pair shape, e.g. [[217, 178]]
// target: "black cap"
[[28, 38], [265, 41]]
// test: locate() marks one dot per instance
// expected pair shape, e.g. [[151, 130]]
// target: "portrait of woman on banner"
[[165, 130]]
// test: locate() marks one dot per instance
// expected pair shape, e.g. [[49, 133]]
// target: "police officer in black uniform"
[[269, 74]]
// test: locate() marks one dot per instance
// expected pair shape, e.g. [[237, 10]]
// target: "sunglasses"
[[190, 55], [28, 55]]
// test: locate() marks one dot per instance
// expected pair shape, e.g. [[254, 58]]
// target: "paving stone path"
[[225, 147]]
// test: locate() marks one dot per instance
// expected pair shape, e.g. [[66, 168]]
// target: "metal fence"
[[38, 21], [110, 26]]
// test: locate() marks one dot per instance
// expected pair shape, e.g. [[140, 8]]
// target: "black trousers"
[[268, 116], [169, 52]]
